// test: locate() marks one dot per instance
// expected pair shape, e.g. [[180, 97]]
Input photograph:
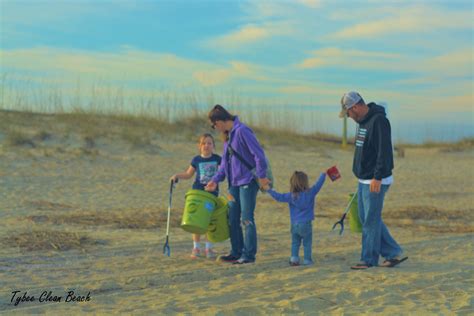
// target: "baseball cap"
[[348, 100]]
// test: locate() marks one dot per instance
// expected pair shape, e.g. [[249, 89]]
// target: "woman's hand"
[[211, 186], [264, 183]]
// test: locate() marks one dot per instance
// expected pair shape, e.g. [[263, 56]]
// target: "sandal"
[[361, 266], [390, 263]]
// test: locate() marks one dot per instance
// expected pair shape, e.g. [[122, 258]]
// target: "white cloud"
[[452, 64], [129, 64], [455, 63], [435, 105], [244, 36], [318, 88], [311, 3], [262, 22], [332, 56], [212, 77], [415, 19], [263, 10], [236, 70], [249, 34]]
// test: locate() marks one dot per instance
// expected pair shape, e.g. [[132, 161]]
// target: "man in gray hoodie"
[[372, 165]]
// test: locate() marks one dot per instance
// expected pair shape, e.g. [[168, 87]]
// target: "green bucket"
[[218, 229], [198, 209], [354, 222]]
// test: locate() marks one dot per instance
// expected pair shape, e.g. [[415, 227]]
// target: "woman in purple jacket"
[[244, 164]]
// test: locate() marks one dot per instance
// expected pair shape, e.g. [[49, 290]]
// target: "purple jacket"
[[244, 142]]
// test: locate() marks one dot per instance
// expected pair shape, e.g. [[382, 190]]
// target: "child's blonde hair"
[[299, 182], [204, 136]]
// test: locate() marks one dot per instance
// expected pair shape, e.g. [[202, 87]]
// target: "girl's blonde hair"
[[299, 182], [204, 136]]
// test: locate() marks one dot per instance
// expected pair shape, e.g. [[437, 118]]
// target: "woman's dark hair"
[[218, 113]]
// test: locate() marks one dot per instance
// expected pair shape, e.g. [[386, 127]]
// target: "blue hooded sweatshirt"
[[301, 204]]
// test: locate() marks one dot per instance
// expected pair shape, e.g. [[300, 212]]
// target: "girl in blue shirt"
[[301, 202], [205, 167]]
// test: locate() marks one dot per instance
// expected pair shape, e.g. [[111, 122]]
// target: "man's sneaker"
[[228, 258], [196, 253], [210, 254], [308, 262]]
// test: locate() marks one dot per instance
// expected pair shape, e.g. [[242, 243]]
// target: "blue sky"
[[415, 55]]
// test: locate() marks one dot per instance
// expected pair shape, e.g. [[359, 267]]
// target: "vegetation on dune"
[[136, 130], [48, 240], [24, 128]]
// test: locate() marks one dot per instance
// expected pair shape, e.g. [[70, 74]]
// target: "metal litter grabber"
[[166, 247], [341, 221]]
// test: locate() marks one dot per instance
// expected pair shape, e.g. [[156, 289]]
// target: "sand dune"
[[99, 221]]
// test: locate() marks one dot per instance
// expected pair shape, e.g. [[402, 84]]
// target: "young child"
[[205, 167], [301, 202]]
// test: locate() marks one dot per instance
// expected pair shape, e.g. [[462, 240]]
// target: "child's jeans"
[[302, 231]]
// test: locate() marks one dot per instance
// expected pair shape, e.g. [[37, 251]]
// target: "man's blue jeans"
[[376, 239], [242, 210], [302, 232]]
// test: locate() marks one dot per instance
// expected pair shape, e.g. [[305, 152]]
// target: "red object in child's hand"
[[333, 173]]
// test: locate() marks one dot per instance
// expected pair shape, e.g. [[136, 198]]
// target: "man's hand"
[[375, 186], [211, 186]]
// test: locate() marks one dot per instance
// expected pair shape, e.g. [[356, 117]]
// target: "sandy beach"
[[90, 217]]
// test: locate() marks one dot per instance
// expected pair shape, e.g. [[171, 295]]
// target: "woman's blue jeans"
[[241, 210], [376, 239], [302, 232]]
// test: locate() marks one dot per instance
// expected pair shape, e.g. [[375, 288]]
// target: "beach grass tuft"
[[121, 219], [48, 240], [16, 137]]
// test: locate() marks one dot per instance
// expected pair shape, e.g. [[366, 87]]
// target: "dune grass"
[[48, 240], [26, 128], [122, 219], [23, 128], [16, 137], [432, 218]]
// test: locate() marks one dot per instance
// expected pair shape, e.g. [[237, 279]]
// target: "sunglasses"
[[349, 109]]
